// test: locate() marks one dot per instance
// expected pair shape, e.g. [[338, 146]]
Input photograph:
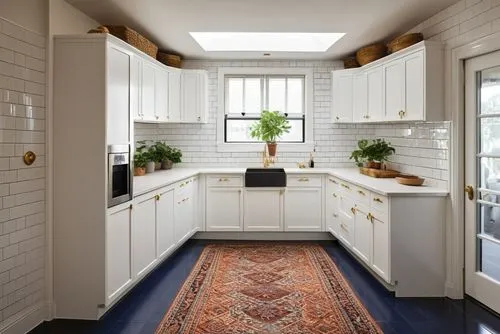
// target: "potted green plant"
[[174, 156], [372, 153], [271, 126], [147, 154], [139, 164], [157, 155]]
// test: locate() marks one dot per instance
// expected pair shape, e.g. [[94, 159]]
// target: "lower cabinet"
[[118, 259], [224, 209], [144, 234], [263, 209], [380, 249], [363, 233], [165, 238], [332, 207], [185, 198], [303, 209]]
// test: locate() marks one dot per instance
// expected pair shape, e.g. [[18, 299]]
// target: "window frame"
[[306, 146]]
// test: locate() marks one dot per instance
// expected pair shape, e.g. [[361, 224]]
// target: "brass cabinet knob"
[[353, 210], [157, 197], [470, 192], [376, 199]]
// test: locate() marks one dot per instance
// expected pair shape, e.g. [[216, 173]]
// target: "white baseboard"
[[264, 236], [26, 320], [452, 292]]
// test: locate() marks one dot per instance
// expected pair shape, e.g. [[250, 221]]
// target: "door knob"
[[470, 192]]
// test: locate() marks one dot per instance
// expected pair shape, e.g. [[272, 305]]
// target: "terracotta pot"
[[139, 171], [373, 164], [271, 147], [157, 165], [150, 167], [166, 164]]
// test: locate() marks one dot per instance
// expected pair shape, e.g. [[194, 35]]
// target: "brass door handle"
[[345, 186], [470, 192], [361, 192], [303, 179], [376, 199], [333, 181]]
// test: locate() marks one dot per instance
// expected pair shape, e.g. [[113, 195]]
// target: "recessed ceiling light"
[[266, 41]]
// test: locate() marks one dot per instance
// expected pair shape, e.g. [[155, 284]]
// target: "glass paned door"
[[482, 175]]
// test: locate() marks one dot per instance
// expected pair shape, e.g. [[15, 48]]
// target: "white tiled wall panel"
[[22, 188], [334, 143]]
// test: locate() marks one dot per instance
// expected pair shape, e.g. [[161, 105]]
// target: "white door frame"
[[455, 222]]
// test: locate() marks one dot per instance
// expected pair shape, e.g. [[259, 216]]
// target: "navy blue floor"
[[141, 310]]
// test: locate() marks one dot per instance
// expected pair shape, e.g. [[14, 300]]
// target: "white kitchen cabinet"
[[120, 90], [194, 96], [342, 96], [303, 210], [118, 252], [174, 95], [263, 209], [184, 210], [148, 90], [161, 95], [363, 234], [381, 244], [224, 209], [360, 97], [394, 73], [414, 87], [332, 206], [375, 97], [144, 235], [165, 239]]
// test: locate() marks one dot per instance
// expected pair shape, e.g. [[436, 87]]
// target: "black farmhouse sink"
[[265, 177]]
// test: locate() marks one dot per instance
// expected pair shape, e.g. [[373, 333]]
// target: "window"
[[247, 95]]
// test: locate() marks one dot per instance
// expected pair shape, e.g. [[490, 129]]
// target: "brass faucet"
[[266, 159]]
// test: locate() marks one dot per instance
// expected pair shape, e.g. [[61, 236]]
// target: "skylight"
[[266, 41]]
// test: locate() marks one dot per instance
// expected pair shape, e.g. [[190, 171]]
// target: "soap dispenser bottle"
[[311, 160]]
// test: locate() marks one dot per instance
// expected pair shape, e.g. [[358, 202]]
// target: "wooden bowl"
[[410, 180]]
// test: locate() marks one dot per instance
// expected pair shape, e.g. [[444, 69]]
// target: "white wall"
[[422, 148], [29, 14]]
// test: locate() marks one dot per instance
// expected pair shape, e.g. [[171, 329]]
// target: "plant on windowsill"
[[372, 154], [271, 126]]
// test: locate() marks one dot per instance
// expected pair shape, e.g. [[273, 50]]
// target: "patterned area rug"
[[266, 288]]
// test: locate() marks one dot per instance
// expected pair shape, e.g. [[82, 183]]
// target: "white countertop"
[[387, 187]]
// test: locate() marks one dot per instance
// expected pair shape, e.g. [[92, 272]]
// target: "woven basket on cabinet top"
[[350, 62], [370, 53], [404, 41], [169, 59], [133, 38]]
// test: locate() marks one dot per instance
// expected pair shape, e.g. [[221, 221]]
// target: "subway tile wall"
[[22, 188], [422, 148]]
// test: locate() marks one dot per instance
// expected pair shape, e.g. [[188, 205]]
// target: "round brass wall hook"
[[29, 158]]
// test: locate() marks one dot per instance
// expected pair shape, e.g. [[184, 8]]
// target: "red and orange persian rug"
[[266, 288]]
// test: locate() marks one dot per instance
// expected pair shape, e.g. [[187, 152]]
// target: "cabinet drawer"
[[361, 195], [224, 181], [346, 188], [303, 181], [379, 203], [333, 182], [345, 230]]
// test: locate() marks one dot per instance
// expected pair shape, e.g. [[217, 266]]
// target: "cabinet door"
[[118, 260], [332, 207], [346, 220], [362, 243], [342, 97], [262, 209], [184, 211], [224, 210], [165, 222], [144, 236], [303, 209], [360, 98], [414, 84], [380, 255], [194, 95], [148, 91], [174, 96], [375, 94], [135, 88], [118, 96], [394, 89], [161, 95]]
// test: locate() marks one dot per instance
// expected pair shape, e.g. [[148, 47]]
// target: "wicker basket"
[[169, 59], [370, 53], [351, 62], [135, 39], [99, 30], [404, 41]]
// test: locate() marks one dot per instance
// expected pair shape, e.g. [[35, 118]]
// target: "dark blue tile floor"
[[141, 310]]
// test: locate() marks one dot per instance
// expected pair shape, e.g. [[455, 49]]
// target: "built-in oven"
[[119, 175]]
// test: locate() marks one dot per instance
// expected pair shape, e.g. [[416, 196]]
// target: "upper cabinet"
[[405, 86], [194, 96]]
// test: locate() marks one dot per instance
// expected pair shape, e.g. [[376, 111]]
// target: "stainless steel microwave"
[[119, 175]]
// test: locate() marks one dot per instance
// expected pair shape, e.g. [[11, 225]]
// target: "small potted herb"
[[174, 156], [147, 154], [271, 126], [372, 154], [140, 161]]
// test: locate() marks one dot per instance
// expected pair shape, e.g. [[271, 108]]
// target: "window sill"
[[282, 147]]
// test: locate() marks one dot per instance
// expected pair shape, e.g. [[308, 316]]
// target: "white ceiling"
[[168, 22]]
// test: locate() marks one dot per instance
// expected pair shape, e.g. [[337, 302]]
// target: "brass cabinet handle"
[[361, 192], [344, 227], [353, 210], [157, 197], [303, 179], [224, 179], [345, 186], [130, 207], [470, 192], [182, 185], [370, 217], [333, 181], [334, 195], [376, 199]]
